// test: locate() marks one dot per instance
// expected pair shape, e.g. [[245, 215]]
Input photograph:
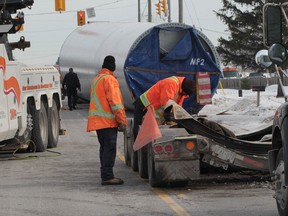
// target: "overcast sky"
[[47, 29]]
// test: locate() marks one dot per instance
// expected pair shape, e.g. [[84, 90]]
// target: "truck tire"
[[53, 125], [133, 154], [142, 162], [134, 160], [154, 180], [126, 151], [40, 128], [281, 191], [26, 138]]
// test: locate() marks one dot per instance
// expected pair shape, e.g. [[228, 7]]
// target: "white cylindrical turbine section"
[[86, 47]]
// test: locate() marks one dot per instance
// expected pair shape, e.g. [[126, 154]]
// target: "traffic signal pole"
[[180, 11], [139, 11], [149, 11], [158, 10], [169, 11]]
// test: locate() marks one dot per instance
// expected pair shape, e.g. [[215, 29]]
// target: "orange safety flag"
[[149, 130], [204, 95]]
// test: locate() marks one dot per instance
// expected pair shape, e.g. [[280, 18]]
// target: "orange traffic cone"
[[149, 130]]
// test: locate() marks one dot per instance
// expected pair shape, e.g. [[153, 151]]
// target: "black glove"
[[121, 127]]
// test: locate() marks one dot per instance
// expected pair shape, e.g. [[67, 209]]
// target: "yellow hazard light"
[[190, 145]]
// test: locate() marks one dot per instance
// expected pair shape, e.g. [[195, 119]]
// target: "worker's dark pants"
[[108, 139], [72, 97], [139, 112]]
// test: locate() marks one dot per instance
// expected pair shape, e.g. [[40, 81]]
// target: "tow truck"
[[30, 96]]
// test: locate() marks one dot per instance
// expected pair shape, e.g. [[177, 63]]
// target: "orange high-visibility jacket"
[[106, 104], [164, 90]]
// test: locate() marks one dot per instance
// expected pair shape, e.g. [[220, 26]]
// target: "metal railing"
[[248, 83]]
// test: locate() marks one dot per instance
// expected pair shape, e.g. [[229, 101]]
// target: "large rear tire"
[[142, 162], [53, 125], [126, 150], [133, 154], [27, 135], [281, 191], [154, 180], [40, 128], [134, 160]]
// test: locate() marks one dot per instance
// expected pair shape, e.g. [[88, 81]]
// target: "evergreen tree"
[[244, 22]]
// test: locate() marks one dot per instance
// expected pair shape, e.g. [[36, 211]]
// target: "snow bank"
[[241, 114]]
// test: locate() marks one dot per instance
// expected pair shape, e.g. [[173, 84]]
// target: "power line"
[[73, 11], [142, 15], [214, 31], [189, 13]]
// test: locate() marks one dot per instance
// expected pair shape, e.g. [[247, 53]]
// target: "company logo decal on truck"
[[11, 84], [42, 86]]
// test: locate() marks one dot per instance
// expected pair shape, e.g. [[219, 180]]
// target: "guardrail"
[[249, 82]]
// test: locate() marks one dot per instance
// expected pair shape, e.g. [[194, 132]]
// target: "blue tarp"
[[147, 63]]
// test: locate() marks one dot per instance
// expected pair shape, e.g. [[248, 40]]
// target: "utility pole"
[[180, 11], [139, 11], [149, 11], [169, 11]]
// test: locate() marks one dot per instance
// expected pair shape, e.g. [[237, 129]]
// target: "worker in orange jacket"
[[106, 116], [174, 88]]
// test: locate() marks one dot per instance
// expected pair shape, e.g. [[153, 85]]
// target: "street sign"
[[90, 12]]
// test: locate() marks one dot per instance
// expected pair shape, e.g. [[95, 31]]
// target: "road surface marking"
[[172, 203], [164, 196]]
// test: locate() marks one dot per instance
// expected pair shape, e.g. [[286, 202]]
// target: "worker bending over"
[[173, 88]]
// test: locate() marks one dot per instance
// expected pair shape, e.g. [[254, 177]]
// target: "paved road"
[[69, 185]]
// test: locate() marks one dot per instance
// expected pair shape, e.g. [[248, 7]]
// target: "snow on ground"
[[241, 114]]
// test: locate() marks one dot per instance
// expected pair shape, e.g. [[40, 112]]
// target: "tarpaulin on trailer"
[[166, 52]]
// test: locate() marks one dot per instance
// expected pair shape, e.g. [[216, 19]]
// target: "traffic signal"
[[21, 28], [158, 8], [18, 23], [164, 6], [81, 19], [59, 5]]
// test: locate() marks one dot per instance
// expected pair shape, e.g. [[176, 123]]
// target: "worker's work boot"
[[113, 181]]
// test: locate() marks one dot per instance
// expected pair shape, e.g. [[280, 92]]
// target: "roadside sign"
[[90, 12]]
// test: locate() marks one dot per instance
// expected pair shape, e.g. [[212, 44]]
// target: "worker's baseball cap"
[[109, 63], [188, 86]]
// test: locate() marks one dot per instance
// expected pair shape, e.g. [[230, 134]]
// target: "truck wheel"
[[40, 128], [28, 132], [142, 162], [281, 190], [154, 180], [134, 161], [53, 125], [126, 151], [133, 154]]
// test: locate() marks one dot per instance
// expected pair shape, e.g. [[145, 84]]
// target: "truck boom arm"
[[10, 25]]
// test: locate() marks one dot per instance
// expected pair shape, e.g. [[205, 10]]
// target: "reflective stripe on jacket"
[[106, 108], [164, 90]]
